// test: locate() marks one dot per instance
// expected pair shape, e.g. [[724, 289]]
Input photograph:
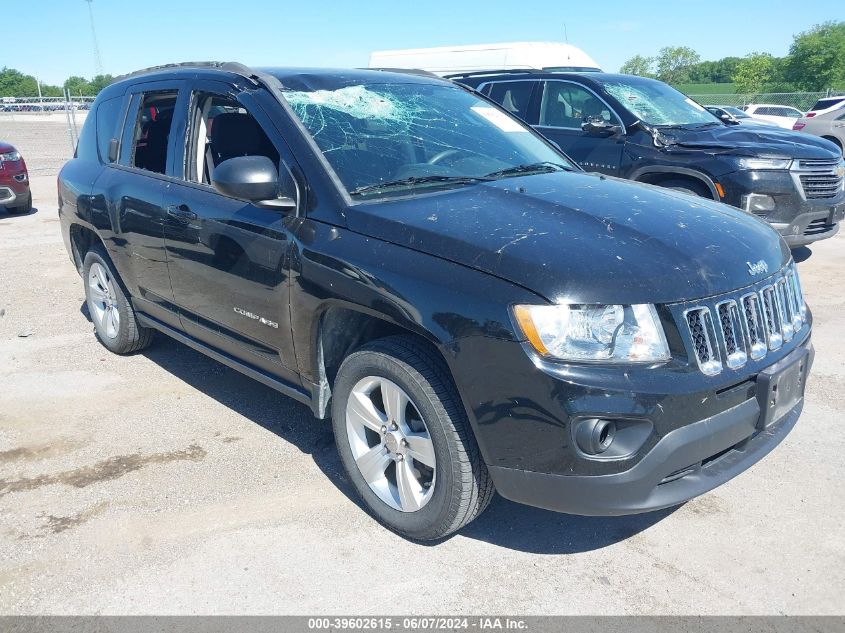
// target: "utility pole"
[[98, 62]]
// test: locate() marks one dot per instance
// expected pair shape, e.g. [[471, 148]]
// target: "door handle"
[[181, 212]]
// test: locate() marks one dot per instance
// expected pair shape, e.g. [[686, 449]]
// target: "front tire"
[[687, 187], [405, 442], [114, 318]]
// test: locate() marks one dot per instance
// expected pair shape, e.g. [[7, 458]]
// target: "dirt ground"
[[166, 483]]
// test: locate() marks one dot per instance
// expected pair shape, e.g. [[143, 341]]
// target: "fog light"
[[758, 203], [595, 436]]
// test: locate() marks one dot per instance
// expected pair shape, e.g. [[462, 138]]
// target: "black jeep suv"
[[645, 130], [472, 311]]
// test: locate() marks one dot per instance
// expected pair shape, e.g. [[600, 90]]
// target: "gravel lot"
[[166, 483]]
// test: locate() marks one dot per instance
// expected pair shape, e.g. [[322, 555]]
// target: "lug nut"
[[399, 457], [393, 426], [383, 429], [404, 442]]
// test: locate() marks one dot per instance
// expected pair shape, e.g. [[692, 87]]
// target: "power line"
[[98, 62]]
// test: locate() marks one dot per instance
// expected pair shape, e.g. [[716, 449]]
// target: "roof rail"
[[407, 71], [502, 71], [233, 67]]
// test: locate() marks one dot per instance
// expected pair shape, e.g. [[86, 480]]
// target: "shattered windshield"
[[656, 103], [390, 138]]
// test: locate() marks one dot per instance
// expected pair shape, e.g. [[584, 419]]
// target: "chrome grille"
[[819, 178], [732, 329]]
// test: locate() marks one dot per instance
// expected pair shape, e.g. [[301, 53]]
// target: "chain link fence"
[[36, 105], [801, 100]]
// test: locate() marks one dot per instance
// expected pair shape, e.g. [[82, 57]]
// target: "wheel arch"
[[656, 175], [82, 238], [833, 140], [344, 328]]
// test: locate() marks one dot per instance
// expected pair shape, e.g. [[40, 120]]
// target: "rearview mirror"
[[253, 178], [600, 127]]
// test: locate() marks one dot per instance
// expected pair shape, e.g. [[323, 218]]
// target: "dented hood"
[[751, 140], [574, 237]]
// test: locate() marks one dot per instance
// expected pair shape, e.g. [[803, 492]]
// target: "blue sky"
[[52, 40]]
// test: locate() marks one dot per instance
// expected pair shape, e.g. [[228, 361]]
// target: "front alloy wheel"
[[404, 439], [391, 444]]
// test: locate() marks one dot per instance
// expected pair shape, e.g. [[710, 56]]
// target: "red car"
[[15, 195]]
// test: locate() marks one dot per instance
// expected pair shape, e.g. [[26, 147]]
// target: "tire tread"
[[431, 374]]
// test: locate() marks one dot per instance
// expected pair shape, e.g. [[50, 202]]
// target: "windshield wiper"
[[418, 180], [533, 168]]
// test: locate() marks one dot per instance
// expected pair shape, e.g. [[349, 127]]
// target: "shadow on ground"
[[5, 214], [505, 523], [801, 254]]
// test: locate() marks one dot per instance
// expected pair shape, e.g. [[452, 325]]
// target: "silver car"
[[830, 126]]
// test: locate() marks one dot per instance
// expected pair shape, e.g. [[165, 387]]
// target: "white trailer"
[[448, 60]]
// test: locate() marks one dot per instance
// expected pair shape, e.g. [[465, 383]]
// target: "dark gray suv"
[[645, 130]]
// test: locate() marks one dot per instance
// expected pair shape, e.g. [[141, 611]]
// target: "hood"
[[751, 140], [582, 238]]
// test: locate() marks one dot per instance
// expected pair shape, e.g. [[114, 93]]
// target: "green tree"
[[816, 58], [14, 83], [754, 72], [716, 72], [673, 63], [98, 83], [638, 65], [77, 86]]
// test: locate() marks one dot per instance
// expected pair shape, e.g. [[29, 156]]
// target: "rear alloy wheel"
[[102, 303], [111, 312], [405, 441]]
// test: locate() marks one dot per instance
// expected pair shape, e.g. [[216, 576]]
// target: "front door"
[[228, 257], [564, 107]]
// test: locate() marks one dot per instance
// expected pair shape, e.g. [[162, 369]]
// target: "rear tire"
[[114, 318], [448, 493]]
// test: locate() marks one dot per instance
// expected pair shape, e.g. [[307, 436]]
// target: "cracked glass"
[[395, 138], [656, 103]]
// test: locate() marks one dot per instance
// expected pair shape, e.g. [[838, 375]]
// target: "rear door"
[[228, 257], [517, 96], [563, 107], [133, 188]]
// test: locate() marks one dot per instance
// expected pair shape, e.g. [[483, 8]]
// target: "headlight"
[[610, 333], [762, 163], [11, 157]]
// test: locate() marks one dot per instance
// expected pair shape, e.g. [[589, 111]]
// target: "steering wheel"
[[439, 156]]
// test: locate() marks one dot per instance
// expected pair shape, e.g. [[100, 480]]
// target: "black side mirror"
[[600, 127], [253, 178]]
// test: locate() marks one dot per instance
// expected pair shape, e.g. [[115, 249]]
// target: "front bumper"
[[799, 220], [14, 188], [702, 429], [685, 463]]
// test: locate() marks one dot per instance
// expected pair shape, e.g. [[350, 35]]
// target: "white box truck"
[[448, 60]]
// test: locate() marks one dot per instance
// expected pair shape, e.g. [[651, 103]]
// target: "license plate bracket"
[[781, 386], [837, 214]]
